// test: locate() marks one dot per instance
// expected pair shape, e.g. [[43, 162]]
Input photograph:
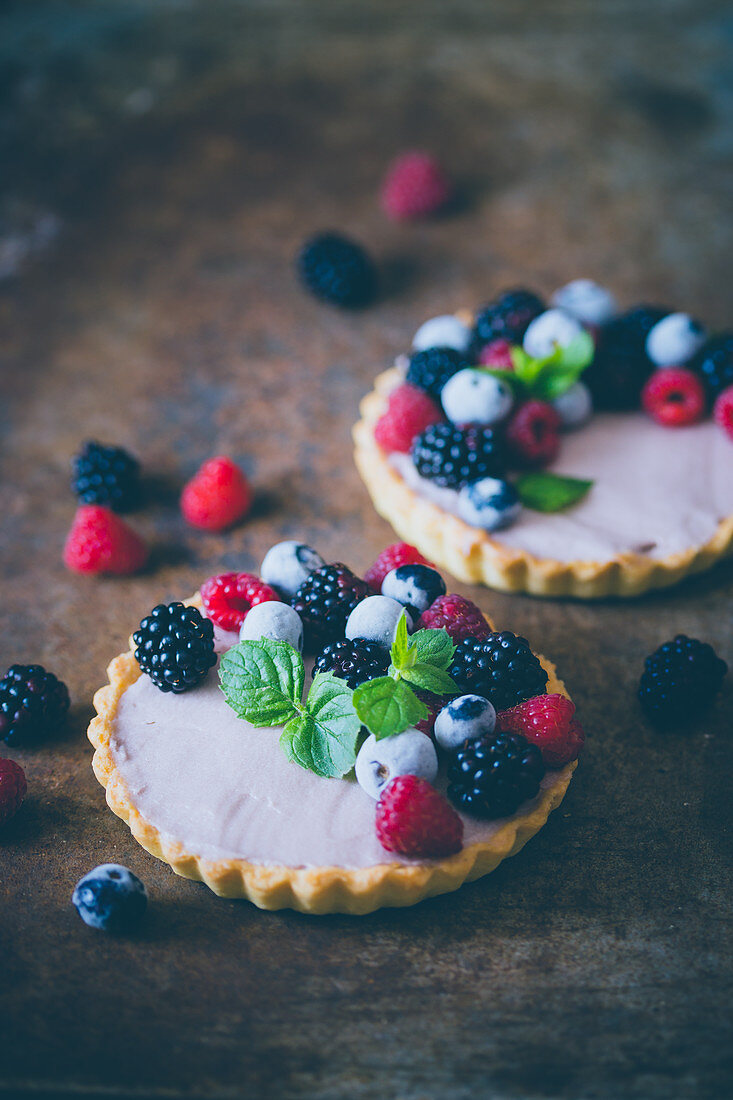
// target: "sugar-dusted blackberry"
[[714, 364], [506, 317], [501, 667], [106, 475], [175, 646], [337, 270], [621, 365], [492, 776], [452, 456], [33, 704], [325, 600], [354, 660], [680, 680], [430, 369]]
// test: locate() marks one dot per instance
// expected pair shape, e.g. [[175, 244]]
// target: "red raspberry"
[[546, 721], [12, 789], [414, 187], [101, 542], [459, 616], [228, 597], [497, 354], [217, 496], [723, 411], [533, 434], [400, 553], [674, 396], [409, 412], [415, 820]]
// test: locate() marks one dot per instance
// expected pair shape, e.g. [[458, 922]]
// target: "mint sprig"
[[545, 492], [548, 378]]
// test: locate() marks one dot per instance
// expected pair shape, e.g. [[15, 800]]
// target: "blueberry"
[[674, 340], [110, 898], [463, 719], [476, 397], [375, 619], [586, 301], [408, 753], [277, 621], [489, 503], [552, 329], [445, 331], [575, 406], [287, 564], [416, 587]]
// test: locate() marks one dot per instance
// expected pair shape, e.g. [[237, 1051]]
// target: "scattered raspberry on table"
[[415, 187], [101, 542], [217, 496]]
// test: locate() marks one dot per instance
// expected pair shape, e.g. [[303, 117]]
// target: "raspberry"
[[415, 187], [492, 776], [33, 703], [680, 680], [414, 820], [100, 542], [175, 646], [13, 789], [546, 721], [409, 412], [430, 369], [354, 660], [106, 475], [621, 365], [217, 496], [400, 553], [674, 397], [723, 411], [459, 616], [501, 667], [325, 600], [228, 597], [497, 354], [533, 434], [337, 271], [714, 363], [452, 456], [507, 317]]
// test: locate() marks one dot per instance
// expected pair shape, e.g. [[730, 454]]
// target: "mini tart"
[[476, 556], [310, 889]]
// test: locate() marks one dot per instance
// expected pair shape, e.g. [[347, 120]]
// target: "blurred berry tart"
[[410, 750], [562, 450]]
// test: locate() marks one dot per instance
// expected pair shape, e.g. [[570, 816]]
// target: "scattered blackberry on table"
[[354, 661], [430, 369], [507, 317], [621, 365], [33, 704], [714, 363], [492, 776], [680, 680], [106, 475], [110, 898], [452, 456], [501, 667], [337, 270], [175, 647], [325, 600]]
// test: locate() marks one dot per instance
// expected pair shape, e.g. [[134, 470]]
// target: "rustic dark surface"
[[181, 154]]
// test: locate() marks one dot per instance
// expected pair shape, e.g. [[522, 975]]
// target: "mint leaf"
[[430, 678], [262, 681], [545, 492], [387, 706], [323, 738], [578, 354], [402, 652], [508, 376], [525, 367], [554, 381], [434, 647], [550, 377]]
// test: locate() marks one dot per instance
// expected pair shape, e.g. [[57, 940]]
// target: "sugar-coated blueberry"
[[287, 564], [489, 503], [277, 621], [575, 406], [674, 340], [463, 719], [375, 619], [111, 898], [408, 753], [445, 331], [586, 301], [416, 587], [552, 329], [476, 397]]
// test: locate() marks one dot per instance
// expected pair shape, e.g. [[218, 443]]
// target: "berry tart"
[[563, 451], [309, 739]]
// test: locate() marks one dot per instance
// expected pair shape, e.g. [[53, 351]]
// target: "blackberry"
[[621, 365], [501, 667], [680, 679], [430, 369], [106, 475], [506, 317], [452, 456], [33, 703], [175, 646], [337, 270], [325, 600], [355, 661], [714, 364], [492, 776]]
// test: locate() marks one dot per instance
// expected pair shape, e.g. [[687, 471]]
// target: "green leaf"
[[430, 678], [402, 652], [434, 647], [550, 377], [262, 681], [508, 376], [387, 706], [578, 354], [554, 381], [323, 739], [545, 492]]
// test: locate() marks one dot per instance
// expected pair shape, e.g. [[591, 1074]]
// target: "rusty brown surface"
[[166, 318]]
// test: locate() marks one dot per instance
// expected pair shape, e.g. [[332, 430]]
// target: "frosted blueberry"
[[408, 753], [287, 564], [586, 301], [575, 406], [552, 329], [375, 619], [476, 397], [489, 503], [416, 587], [445, 331], [673, 341], [463, 719], [277, 621], [110, 897]]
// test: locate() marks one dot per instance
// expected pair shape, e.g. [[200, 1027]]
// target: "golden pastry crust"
[[473, 555], [309, 889]]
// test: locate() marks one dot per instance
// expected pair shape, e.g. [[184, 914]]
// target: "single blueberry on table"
[[110, 898]]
